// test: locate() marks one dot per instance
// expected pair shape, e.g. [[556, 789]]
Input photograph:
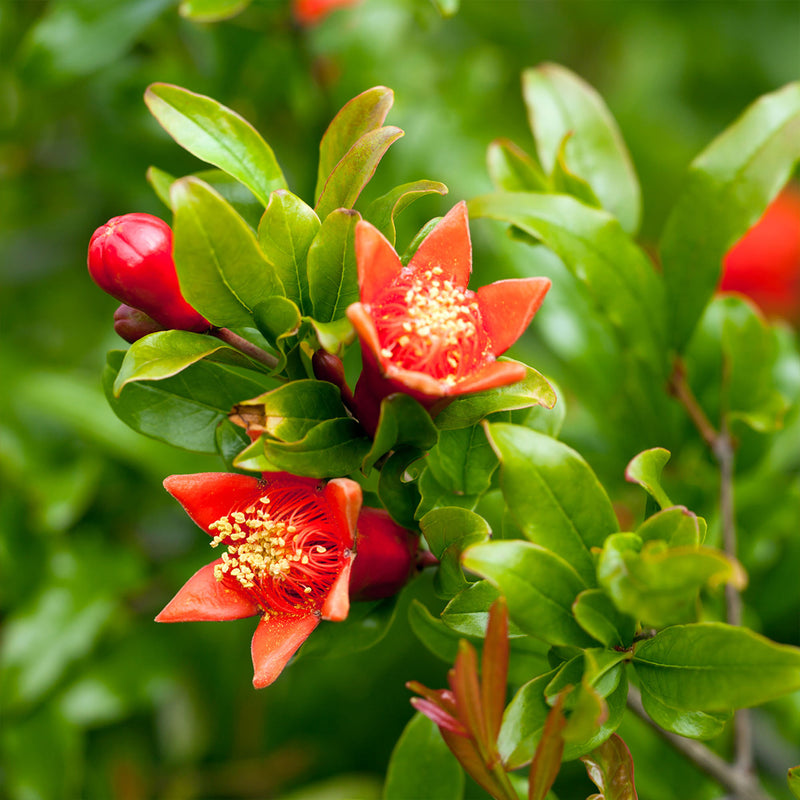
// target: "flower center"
[[428, 325], [281, 548]]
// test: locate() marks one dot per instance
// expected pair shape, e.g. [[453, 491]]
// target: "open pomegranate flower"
[[287, 550], [422, 331]]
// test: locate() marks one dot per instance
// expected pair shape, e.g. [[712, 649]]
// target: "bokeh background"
[[96, 701]]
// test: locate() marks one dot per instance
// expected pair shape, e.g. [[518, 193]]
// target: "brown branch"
[[243, 346]]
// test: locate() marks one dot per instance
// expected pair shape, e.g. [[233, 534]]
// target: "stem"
[[680, 389], [742, 784], [243, 346]]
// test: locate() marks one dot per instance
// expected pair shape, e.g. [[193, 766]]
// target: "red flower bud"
[[130, 258], [764, 264], [132, 324], [385, 556], [310, 12]]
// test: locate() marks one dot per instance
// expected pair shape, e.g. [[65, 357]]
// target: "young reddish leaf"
[[466, 751], [463, 679], [547, 761], [794, 781], [494, 670], [610, 767]]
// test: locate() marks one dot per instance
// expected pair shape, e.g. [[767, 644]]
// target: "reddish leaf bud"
[[132, 324], [385, 556], [130, 258]]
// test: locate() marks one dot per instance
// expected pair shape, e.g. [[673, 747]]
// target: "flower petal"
[[337, 604], [507, 308], [447, 246], [204, 598], [497, 373], [276, 640], [344, 497], [378, 263], [208, 496]]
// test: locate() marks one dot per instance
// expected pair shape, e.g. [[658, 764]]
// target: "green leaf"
[[645, 469], [513, 170], [218, 135], [433, 495], [332, 271], [794, 780], [658, 584], [448, 532], [402, 421], [730, 183], [382, 212], [362, 114], [567, 182], [553, 496], [432, 632], [221, 269], [599, 617], [212, 10], [285, 233], [277, 319], [292, 410], [397, 491], [523, 722], [559, 103], [692, 724], [186, 409], [539, 586], [618, 276], [468, 612], [468, 410], [715, 667], [166, 353], [334, 336], [447, 8], [463, 461], [610, 767], [422, 765], [161, 182], [355, 170], [677, 526]]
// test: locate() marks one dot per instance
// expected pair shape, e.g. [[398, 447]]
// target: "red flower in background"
[[764, 264], [310, 12], [287, 550], [130, 258], [422, 331]]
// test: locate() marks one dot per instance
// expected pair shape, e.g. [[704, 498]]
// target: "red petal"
[[344, 498], [378, 263], [337, 604], [507, 308], [275, 641], [204, 598], [497, 373], [448, 246], [208, 496]]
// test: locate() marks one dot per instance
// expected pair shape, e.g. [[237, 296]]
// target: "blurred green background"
[[96, 701]]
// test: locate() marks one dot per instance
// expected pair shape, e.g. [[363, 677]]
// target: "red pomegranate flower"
[[287, 550], [422, 331]]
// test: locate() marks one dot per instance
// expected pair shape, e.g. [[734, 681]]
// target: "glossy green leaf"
[[567, 182], [221, 269], [548, 420], [217, 135], [731, 182], [365, 112], [161, 182], [402, 422], [794, 781], [285, 233], [467, 410], [166, 353], [523, 722], [600, 618], [382, 212], [334, 336], [212, 10], [538, 585], [186, 409], [421, 765], [677, 526], [553, 495], [692, 724], [433, 495], [591, 734], [231, 440], [645, 469], [560, 103], [618, 276], [715, 667], [659, 584], [513, 170], [468, 612], [355, 170], [449, 531], [432, 632], [463, 461], [332, 273], [610, 768], [277, 318], [397, 491]]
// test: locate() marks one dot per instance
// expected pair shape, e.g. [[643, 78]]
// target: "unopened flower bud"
[[130, 258], [385, 556], [132, 324]]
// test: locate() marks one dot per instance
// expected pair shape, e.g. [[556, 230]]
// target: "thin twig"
[[243, 346], [680, 389], [743, 785]]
